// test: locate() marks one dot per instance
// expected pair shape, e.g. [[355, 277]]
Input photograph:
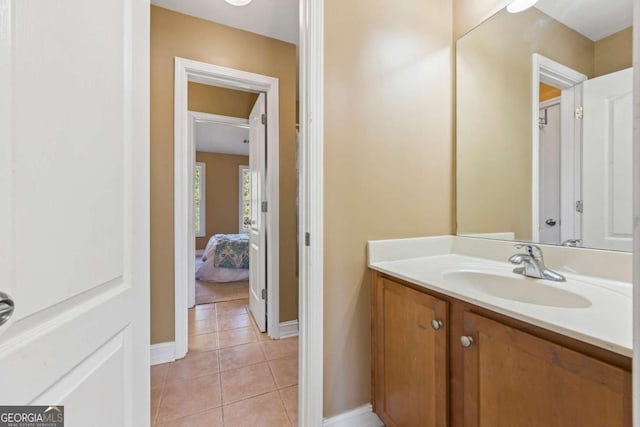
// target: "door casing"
[[555, 74]]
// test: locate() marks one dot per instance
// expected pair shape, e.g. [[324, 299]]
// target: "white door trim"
[[553, 73], [184, 150], [636, 215], [310, 398], [203, 206], [362, 416], [241, 169], [200, 117], [550, 103]]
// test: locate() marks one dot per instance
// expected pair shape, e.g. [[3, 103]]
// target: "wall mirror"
[[544, 125]]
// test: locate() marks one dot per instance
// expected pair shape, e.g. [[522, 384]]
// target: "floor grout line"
[[260, 342], [286, 411], [163, 383], [220, 370], [251, 397], [220, 387]]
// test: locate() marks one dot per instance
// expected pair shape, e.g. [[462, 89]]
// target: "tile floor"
[[232, 376]]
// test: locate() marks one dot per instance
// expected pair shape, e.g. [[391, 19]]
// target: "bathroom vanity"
[[459, 339], [543, 157]]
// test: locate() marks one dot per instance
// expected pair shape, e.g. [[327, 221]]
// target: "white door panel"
[[69, 144], [74, 207], [607, 149], [102, 370], [257, 234], [549, 217]]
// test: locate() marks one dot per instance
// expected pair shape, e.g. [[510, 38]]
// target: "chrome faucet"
[[533, 264], [573, 243]]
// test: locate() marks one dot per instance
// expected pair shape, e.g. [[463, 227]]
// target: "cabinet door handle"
[[466, 341], [436, 324]]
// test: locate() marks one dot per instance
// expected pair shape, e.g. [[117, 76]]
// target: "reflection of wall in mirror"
[[469, 13], [548, 92], [613, 53], [494, 136]]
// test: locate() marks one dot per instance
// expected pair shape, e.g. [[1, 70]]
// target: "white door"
[[257, 234], [74, 171], [549, 217], [607, 161]]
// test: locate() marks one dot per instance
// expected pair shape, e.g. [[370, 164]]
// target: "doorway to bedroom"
[[227, 226], [222, 191], [227, 130]]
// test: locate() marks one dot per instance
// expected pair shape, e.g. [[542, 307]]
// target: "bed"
[[225, 259]]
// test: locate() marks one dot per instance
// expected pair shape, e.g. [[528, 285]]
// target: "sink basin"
[[517, 288]]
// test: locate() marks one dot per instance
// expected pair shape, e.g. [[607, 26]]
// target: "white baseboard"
[[362, 416], [164, 352], [289, 329]]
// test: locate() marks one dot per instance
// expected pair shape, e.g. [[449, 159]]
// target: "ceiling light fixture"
[[518, 5], [238, 2]]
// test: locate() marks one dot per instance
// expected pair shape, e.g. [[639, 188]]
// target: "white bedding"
[[236, 246]]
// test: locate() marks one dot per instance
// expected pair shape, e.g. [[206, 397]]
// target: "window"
[[245, 199], [199, 197]]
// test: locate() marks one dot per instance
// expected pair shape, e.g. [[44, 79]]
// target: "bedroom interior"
[[175, 34], [229, 356], [222, 158]]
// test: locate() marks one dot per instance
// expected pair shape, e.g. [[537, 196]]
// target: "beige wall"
[[548, 92], [222, 193], [174, 34], [388, 161], [467, 14], [218, 100], [494, 138], [614, 53]]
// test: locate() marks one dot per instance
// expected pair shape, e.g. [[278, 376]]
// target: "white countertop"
[[604, 321]]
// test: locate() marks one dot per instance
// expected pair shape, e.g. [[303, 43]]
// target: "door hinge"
[[264, 119], [579, 113], [307, 239], [264, 294], [579, 206], [263, 207]]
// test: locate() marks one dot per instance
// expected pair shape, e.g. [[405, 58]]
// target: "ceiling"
[[595, 19], [277, 19], [215, 137]]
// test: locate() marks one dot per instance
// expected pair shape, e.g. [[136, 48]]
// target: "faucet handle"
[[574, 243], [519, 258], [533, 250]]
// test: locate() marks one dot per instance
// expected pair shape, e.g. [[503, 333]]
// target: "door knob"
[[551, 222], [6, 308], [466, 341], [436, 324]]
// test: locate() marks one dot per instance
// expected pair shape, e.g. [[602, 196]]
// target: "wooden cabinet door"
[[410, 357], [515, 379]]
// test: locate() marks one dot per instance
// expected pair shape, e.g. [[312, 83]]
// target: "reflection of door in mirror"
[[607, 161], [516, 180], [556, 161], [550, 138], [584, 177]]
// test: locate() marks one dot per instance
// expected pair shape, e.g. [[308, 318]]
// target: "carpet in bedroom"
[[209, 292]]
